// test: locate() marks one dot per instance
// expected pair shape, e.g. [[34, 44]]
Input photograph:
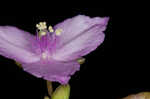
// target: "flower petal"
[[16, 44], [53, 70], [80, 36]]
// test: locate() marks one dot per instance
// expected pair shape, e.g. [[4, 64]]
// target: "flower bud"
[[46, 97], [62, 92]]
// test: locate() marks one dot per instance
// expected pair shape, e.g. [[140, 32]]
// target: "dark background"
[[106, 74]]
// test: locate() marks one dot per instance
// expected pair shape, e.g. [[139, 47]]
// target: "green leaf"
[[62, 92]]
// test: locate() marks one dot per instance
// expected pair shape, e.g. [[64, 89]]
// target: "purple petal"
[[16, 44], [80, 36], [53, 70]]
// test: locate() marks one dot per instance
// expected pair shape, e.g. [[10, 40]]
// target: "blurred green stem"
[[49, 88]]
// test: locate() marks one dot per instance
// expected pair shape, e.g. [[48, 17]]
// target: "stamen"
[[41, 25], [42, 33], [42, 29], [58, 32], [50, 28]]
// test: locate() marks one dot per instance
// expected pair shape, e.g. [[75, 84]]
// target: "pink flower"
[[53, 53]]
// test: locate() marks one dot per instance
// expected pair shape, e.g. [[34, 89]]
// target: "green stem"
[[49, 88]]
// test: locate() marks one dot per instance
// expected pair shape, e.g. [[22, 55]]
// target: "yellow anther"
[[50, 28], [58, 32], [41, 25]]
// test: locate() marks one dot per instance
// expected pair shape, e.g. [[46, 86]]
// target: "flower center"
[[42, 27], [46, 39]]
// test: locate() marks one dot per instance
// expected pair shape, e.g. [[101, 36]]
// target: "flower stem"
[[49, 88]]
